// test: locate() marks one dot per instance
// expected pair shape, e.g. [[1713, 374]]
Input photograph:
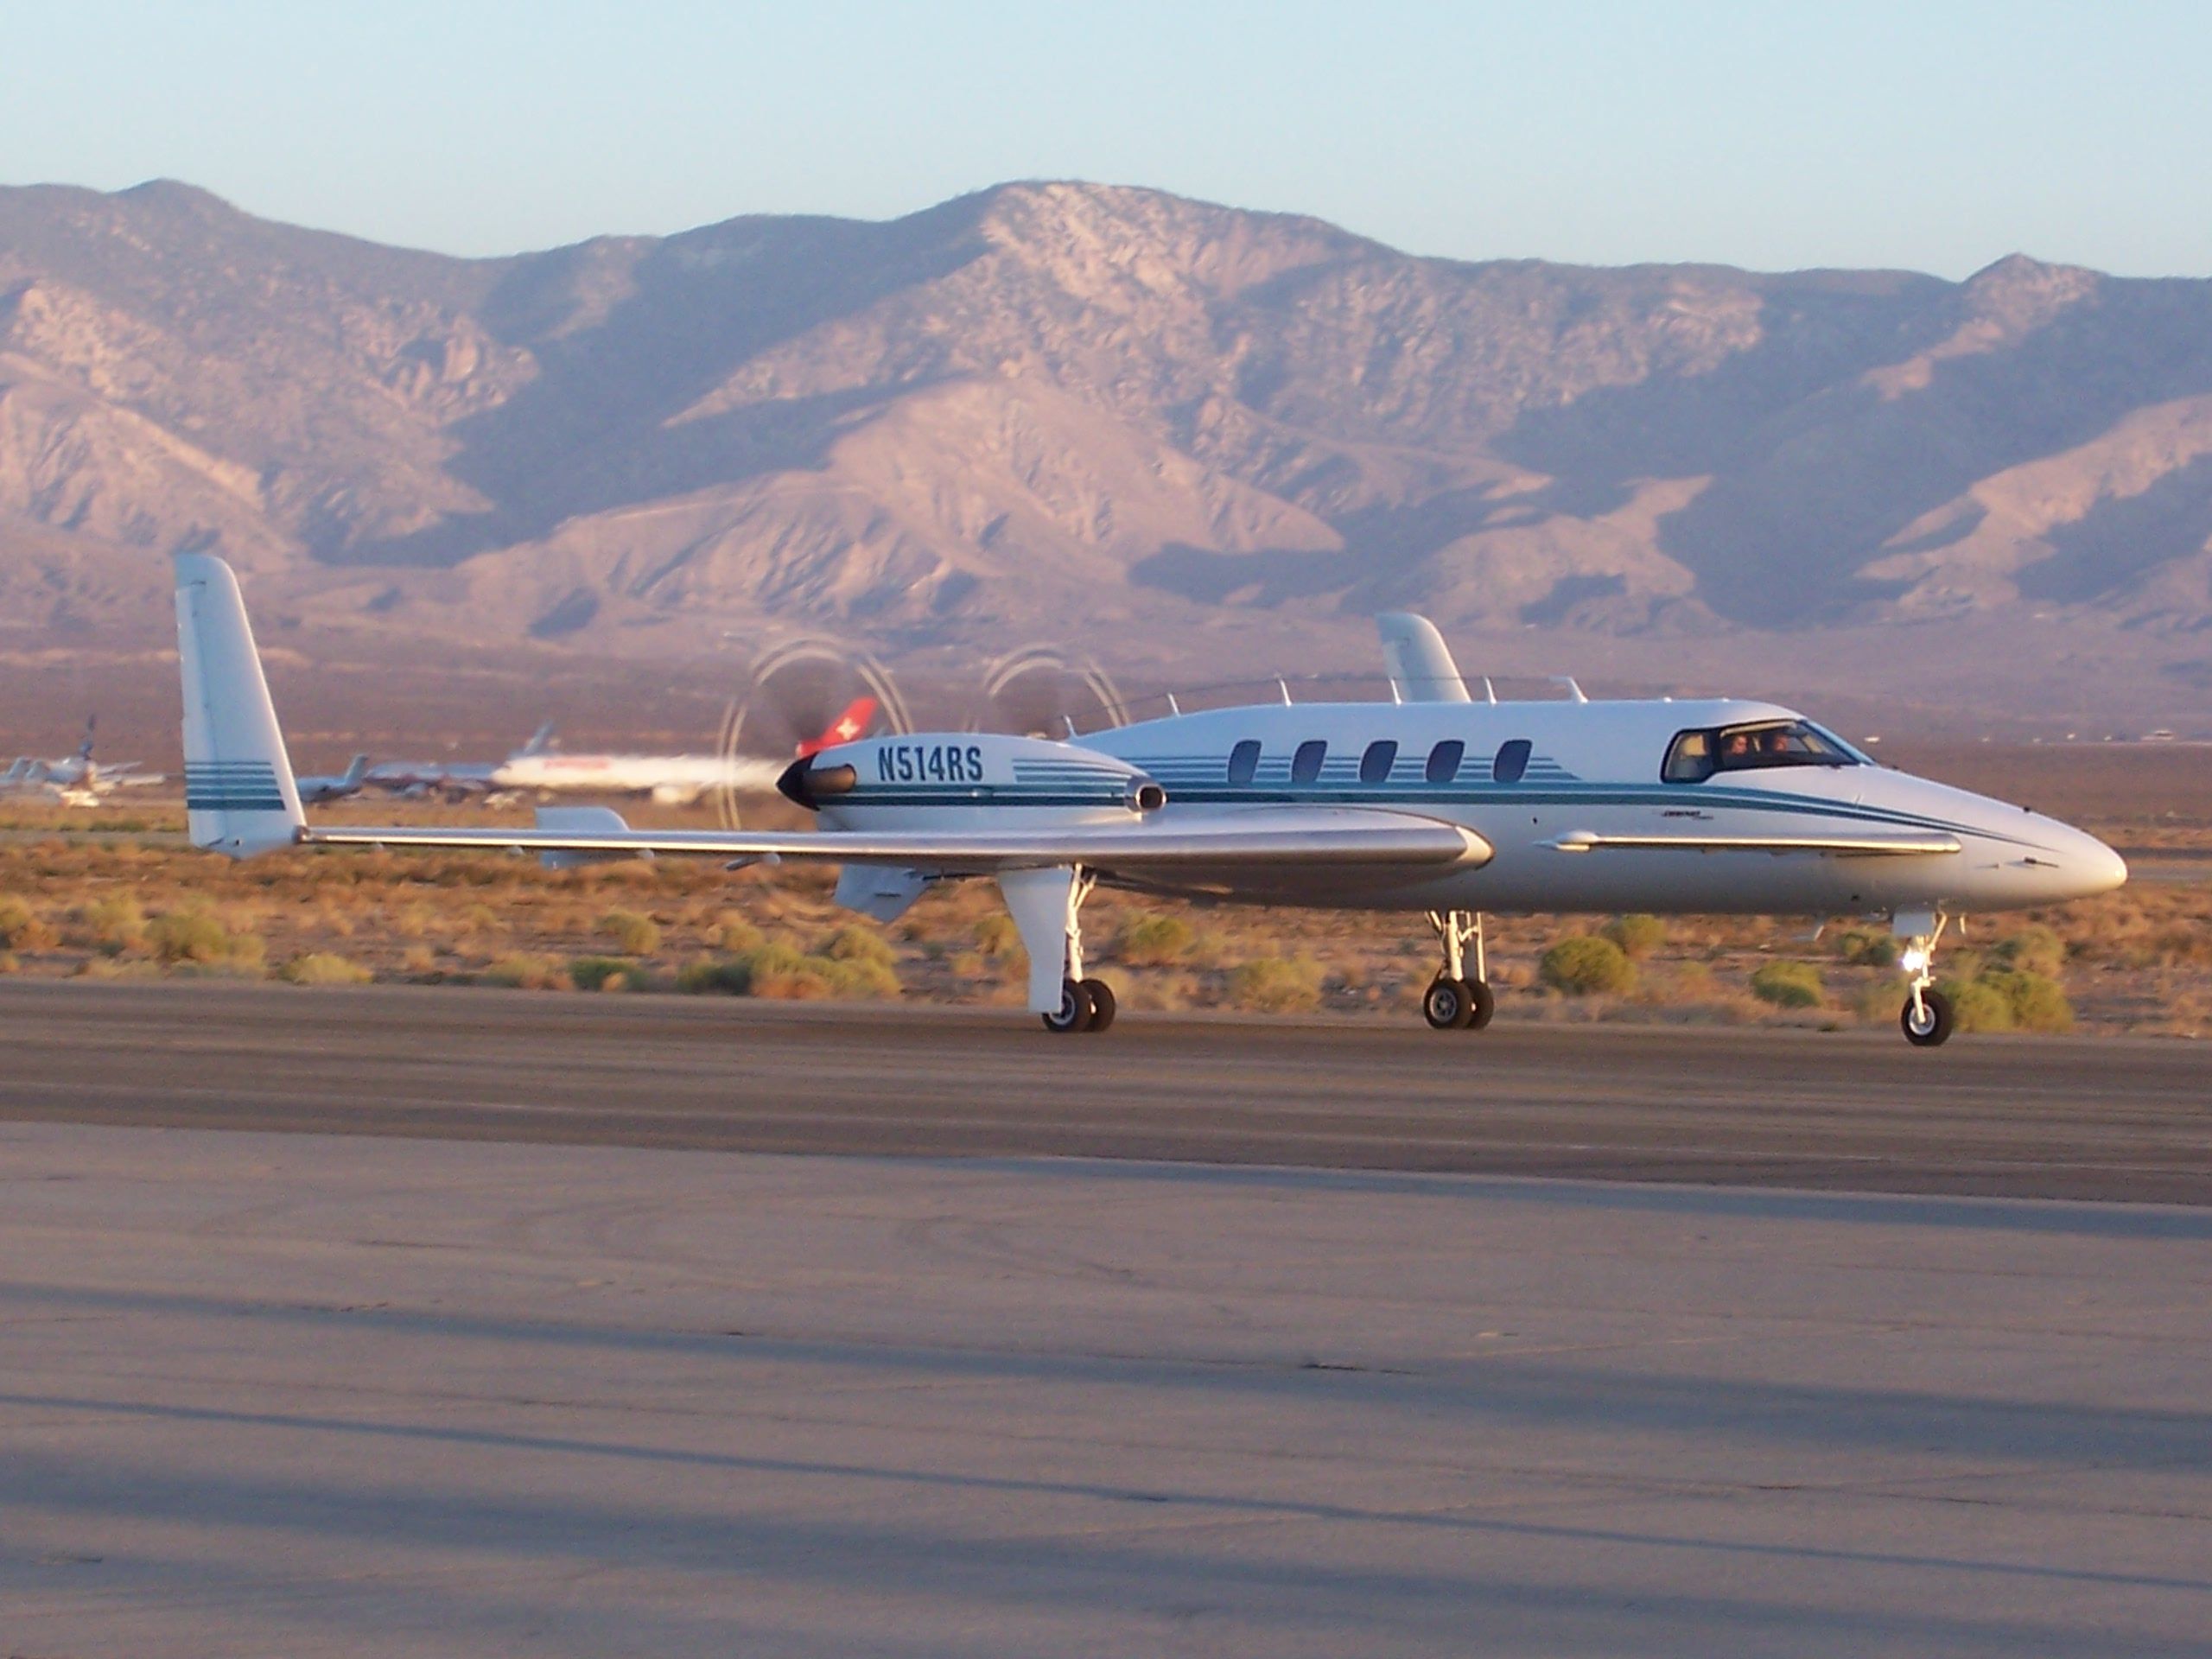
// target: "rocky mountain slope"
[[1048, 402]]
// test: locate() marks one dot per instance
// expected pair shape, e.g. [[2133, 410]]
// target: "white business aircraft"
[[668, 779], [1434, 804], [320, 790], [77, 779]]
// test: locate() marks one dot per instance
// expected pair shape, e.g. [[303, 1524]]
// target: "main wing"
[[1286, 837]]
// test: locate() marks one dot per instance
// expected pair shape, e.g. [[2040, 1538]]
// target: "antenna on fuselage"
[[1489, 691], [1573, 690]]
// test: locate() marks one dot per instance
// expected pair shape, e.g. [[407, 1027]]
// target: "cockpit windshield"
[[1696, 755]]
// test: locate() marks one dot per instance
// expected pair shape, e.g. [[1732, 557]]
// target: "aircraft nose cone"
[[2102, 869]]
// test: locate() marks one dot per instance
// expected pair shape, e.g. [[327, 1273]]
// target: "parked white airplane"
[[1435, 805], [669, 779], [77, 779], [320, 790]]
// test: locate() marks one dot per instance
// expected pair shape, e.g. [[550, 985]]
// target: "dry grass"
[[128, 903]]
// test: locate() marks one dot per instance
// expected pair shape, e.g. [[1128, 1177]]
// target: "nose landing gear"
[[1927, 1017], [1453, 1002]]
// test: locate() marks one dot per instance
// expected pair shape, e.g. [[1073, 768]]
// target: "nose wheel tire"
[[1483, 1004], [1448, 1004], [1085, 1004], [1927, 1021]]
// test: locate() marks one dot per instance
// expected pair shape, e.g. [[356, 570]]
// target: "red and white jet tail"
[[849, 727]]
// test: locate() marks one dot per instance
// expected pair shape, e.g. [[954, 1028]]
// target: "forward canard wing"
[[1873, 844]]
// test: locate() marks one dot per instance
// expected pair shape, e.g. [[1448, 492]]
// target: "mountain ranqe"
[[1055, 405]]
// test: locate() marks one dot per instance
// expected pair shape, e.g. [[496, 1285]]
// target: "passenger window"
[[1306, 765], [1511, 760], [1375, 766], [1443, 760], [1243, 761]]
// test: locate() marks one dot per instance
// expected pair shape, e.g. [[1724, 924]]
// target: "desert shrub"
[[2034, 949], [855, 943], [20, 929], [715, 975], [1879, 1001], [735, 934], [778, 971], [1582, 965], [323, 968], [1154, 941], [10, 964], [1978, 1006], [1276, 984], [418, 960], [997, 938], [1637, 936], [2181, 943], [634, 935], [199, 936], [605, 973], [2036, 1001], [525, 972], [1787, 984], [1867, 947]]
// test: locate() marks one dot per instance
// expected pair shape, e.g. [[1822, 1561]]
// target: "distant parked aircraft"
[[670, 779], [456, 781], [76, 780], [318, 790]]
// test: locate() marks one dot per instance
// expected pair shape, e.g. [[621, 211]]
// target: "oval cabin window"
[[1306, 765], [1375, 766], [1443, 760], [1244, 761], [1512, 761]]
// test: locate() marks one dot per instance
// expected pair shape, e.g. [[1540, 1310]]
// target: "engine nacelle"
[[966, 780]]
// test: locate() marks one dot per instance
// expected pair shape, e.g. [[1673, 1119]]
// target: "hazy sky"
[[1773, 135]]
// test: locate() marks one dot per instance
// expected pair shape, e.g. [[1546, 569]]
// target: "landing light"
[[1914, 960]]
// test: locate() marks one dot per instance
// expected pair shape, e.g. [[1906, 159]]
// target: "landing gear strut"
[[1048, 910], [1927, 1016], [1453, 1002]]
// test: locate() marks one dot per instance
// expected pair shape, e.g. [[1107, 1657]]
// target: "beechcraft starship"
[[1433, 805]]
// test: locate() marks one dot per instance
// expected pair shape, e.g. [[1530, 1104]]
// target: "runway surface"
[[2086, 1118], [312, 1395]]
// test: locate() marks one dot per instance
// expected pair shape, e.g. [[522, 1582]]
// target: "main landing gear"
[[1927, 1017], [1453, 1002], [1085, 1004], [1048, 910]]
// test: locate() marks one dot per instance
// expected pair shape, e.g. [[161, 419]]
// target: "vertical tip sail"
[[238, 794], [1420, 665]]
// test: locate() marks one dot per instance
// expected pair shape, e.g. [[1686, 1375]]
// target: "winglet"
[[1420, 662], [238, 794]]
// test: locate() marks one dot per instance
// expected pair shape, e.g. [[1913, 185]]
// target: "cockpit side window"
[[1689, 758], [1244, 761], [1695, 755]]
